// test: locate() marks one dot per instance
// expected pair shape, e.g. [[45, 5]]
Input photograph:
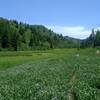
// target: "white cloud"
[[75, 31]]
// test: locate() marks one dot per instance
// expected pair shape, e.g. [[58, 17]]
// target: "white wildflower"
[[97, 52], [77, 55]]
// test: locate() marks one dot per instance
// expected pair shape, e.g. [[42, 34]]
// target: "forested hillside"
[[92, 41], [16, 35]]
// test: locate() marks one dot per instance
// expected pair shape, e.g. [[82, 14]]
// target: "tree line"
[[92, 41], [16, 35]]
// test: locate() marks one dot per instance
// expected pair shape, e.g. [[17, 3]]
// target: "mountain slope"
[[16, 35]]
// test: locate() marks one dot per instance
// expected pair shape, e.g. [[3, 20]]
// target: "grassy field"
[[58, 74]]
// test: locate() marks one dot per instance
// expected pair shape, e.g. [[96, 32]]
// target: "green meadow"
[[59, 74]]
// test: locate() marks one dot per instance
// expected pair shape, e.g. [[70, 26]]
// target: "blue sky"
[[74, 18]]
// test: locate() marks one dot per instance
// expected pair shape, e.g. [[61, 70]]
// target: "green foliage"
[[19, 36], [48, 75], [97, 38], [92, 41]]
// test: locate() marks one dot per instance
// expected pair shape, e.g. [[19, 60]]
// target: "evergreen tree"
[[20, 36], [97, 38], [92, 38]]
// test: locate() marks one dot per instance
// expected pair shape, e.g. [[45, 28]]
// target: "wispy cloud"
[[74, 31]]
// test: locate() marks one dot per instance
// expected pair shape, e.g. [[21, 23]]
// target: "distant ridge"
[[16, 35]]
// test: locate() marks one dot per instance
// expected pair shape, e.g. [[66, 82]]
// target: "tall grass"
[[49, 75], [10, 59]]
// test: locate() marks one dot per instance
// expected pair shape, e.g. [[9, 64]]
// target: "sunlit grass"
[[50, 74], [11, 59]]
